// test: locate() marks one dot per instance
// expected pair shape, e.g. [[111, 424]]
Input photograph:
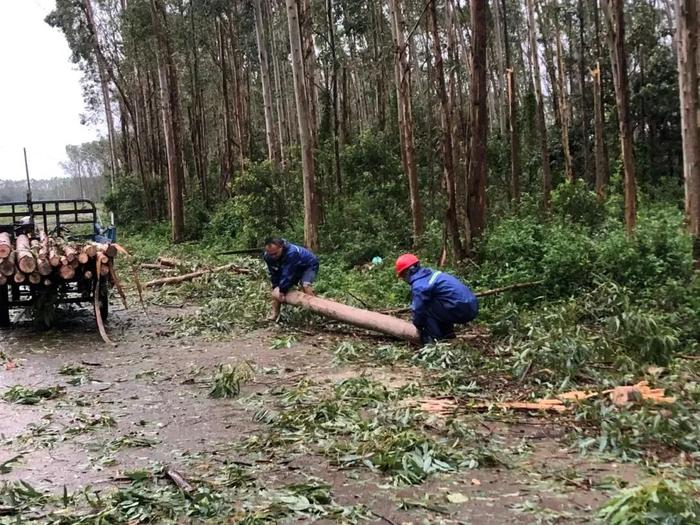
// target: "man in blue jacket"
[[438, 299], [288, 265]]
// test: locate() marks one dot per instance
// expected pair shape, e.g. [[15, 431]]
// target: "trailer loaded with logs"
[[54, 249]]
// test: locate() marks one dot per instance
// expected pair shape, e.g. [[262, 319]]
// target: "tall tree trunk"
[[501, 87], [446, 137], [512, 96], [618, 58], [582, 90], [308, 48], [261, 37], [688, 58], [402, 73], [170, 104], [104, 86], [311, 209], [235, 57], [280, 96], [563, 99], [541, 126], [601, 160], [227, 110], [477, 164], [334, 95]]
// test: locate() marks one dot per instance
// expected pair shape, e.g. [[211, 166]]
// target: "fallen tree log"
[[193, 275], [374, 321]]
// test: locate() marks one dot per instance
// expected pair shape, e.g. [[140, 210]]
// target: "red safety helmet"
[[404, 262]]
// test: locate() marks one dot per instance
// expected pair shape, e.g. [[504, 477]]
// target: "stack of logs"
[[51, 260]]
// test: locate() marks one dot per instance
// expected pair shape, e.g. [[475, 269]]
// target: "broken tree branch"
[[193, 275]]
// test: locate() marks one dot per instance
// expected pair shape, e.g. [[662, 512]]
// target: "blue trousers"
[[440, 324]]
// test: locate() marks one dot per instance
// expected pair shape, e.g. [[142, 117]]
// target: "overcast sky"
[[40, 95]]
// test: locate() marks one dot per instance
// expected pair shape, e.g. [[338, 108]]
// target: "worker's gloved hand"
[[279, 296]]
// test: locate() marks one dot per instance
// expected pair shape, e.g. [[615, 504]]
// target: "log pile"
[[49, 260]]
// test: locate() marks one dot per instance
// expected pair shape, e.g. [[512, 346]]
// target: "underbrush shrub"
[[259, 208], [127, 201]]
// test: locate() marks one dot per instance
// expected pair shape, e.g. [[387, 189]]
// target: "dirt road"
[[144, 405]]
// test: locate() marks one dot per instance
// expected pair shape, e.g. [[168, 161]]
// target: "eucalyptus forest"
[[544, 152]]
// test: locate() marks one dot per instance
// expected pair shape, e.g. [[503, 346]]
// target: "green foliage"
[[570, 256], [655, 502], [575, 202], [373, 217], [229, 379], [23, 395], [258, 209], [127, 201]]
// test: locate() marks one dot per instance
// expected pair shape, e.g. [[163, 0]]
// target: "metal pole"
[[29, 187]]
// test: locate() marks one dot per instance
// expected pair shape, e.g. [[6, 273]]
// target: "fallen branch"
[[179, 480], [508, 288], [193, 275]]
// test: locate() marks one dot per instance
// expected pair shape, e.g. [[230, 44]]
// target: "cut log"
[[5, 244], [375, 321], [43, 266], [90, 250], [20, 277], [83, 257], [47, 282], [7, 266], [70, 253], [172, 263], [66, 271], [34, 278], [3, 280], [189, 276], [87, 275], [54, 257], [25, 257]]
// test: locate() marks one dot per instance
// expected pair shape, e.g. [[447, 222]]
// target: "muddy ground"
[[155, 385]]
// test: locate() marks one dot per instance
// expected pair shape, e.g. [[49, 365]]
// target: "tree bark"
[[402, 74], [582, 90], [261, 37], [375, 321], [688, 58], [602, 175], [334, 96], [512, 98], [477, 158], [104, 86], [311, 209], [563, 98], [445, 138], [170, 106], [618, 58], [541, 126]]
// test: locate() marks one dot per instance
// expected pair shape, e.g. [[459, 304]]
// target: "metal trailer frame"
[[54, 216]]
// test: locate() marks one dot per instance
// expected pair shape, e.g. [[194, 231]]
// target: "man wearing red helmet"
[[438, 300]]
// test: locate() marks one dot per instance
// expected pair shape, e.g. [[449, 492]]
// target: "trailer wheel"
[[4, 306]]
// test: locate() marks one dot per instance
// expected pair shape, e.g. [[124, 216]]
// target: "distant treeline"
[[92, 188]]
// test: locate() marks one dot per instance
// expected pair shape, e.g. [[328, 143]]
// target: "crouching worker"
[[438, 299], [288, 265]]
